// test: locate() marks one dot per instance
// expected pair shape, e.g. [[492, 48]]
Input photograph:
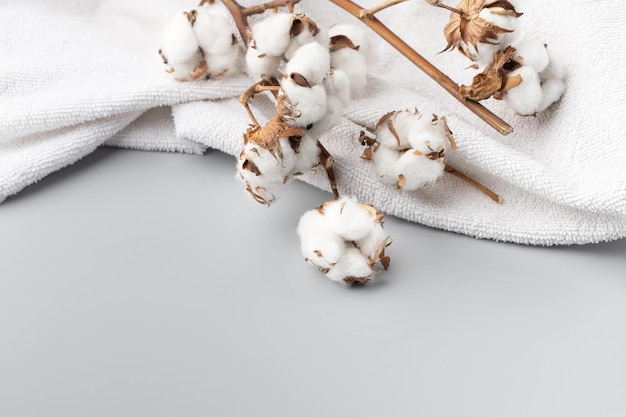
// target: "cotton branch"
[[495, 197], [241, 14], [442, 79]]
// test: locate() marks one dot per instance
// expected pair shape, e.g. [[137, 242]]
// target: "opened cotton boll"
[[199, 44], [302, 33], [534, 94], [358, 37], [271, 35], [275, 39], [270, 39], [354, 65], [350, 53], [506, 20], [307, 105], [311, 61], [217, 41], [345, 240], [265, 171], [415, 170], [179, 48], [409, 148], [319, 244], [213, 32]]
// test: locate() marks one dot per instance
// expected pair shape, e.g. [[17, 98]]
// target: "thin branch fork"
[[433, 72]]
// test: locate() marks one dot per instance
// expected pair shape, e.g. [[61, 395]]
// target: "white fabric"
[[79, 74]]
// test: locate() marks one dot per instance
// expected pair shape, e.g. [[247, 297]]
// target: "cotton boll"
[[318, 243], [307, 104], [213, 32], [302, 38], [532, 53], [393, 128], [259, 65], [354, 64], [265, 172], [312, 61], [551, 90], [178, 41], [385, 160], [428, 135], [271, 35], [352, 264], [357, 34], [526, 97], [327, 238], [220, 63], [349, 219], [417, 170]]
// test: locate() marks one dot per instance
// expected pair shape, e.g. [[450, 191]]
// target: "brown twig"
[[438, 3], [241, 14], [381, 6], [433, 72], [266, 84], [495, 197]]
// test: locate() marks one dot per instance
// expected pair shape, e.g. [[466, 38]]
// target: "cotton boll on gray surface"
[[344, 239]]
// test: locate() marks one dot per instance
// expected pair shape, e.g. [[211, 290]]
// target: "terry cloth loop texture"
[[80, 74]]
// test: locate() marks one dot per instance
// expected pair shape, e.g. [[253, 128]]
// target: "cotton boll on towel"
[[542, 76], [199, 44], [180, 50], [349, 47], [275, 39], [409, 148]]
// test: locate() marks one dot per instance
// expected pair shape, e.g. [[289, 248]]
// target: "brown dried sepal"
[[300, 79], [199, 70], [468, 27], [269, 135], [493, 81], [380, 256], [371, 145], [401, 181], [338, 42], [310, 24]]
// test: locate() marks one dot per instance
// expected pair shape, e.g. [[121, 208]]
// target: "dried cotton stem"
[[382, 6], [495, 197], [442, 79]]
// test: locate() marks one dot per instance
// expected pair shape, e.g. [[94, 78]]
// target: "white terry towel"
[[79, 74]]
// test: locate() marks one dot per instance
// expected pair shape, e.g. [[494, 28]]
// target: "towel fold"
[[76, 75]]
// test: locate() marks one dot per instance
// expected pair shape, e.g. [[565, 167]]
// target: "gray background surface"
[[150, 284]]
